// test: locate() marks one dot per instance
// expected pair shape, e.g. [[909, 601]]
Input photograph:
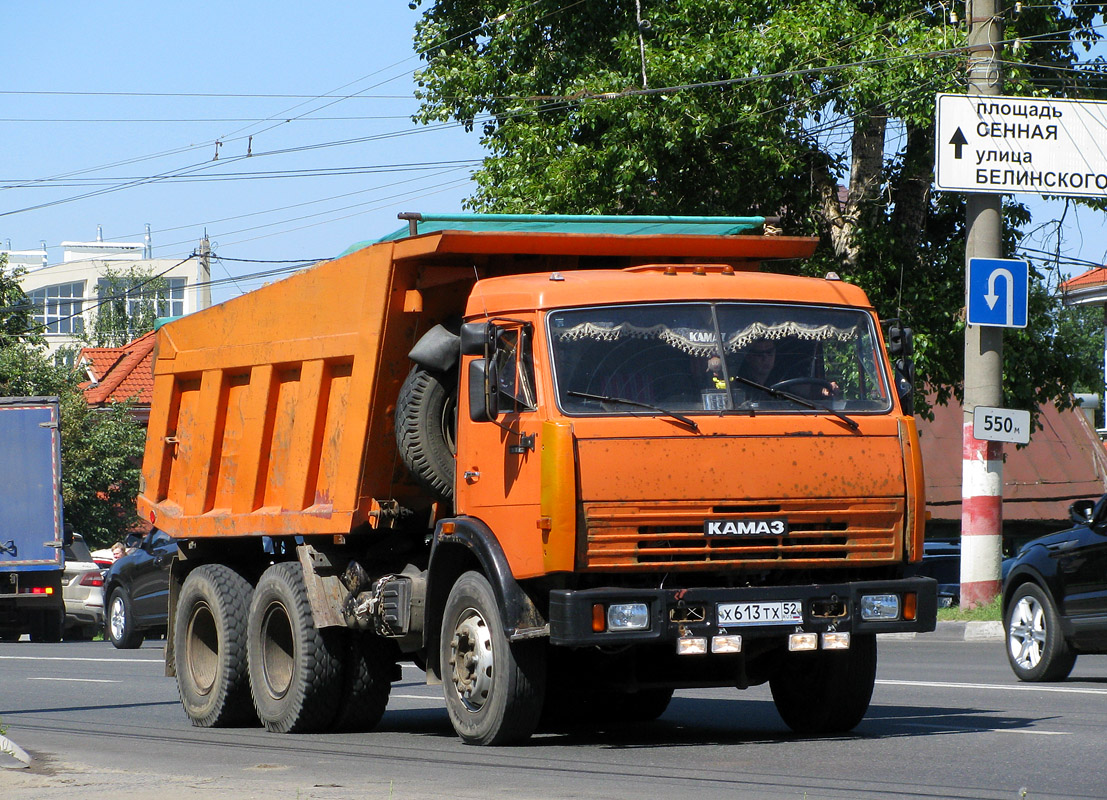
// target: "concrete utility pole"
[[982, 465], [204, 298]]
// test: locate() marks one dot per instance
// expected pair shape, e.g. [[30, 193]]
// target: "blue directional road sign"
[[998, 290]]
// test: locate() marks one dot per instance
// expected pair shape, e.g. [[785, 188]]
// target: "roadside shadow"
[[92, 707]]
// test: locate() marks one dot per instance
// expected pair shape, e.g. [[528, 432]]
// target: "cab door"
[[498, 464]]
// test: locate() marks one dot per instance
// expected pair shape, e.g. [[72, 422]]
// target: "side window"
[[515, 369]]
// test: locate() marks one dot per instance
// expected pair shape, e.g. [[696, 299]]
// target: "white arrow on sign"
[[991, 296]]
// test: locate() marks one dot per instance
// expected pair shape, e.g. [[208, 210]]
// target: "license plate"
[[788, 612]]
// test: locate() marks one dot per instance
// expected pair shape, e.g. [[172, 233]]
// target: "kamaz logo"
[[746, 527]]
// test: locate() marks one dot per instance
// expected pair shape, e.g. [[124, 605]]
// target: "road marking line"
[[984, 730], [76, 680], [997, 686], [435, 697], [104, 660]]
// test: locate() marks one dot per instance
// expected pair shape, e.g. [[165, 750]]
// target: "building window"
[[168, 295], [58, 308], [171, 299]]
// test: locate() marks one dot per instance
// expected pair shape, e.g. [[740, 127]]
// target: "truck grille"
[[647, 536]]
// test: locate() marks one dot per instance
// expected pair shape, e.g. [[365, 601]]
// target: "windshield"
[[716, 357]]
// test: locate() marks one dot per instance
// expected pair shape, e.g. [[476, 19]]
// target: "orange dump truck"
[[564, 464]]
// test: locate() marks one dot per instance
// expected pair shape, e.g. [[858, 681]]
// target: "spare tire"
[[426, 428]]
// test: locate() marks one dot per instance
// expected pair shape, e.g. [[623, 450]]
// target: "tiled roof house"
[[118, 374]]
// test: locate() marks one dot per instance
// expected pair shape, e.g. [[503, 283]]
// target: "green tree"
[[16, 311], [820, 111], [101, 463]]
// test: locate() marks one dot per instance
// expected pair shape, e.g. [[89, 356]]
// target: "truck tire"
[[209, 647], [826, 691], [645, 705], [48, 626], [368, 682], [120, 625], [494, 688], [426, 425], [295, 668]]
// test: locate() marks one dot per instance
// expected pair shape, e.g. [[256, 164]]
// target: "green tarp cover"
[[572, 223]]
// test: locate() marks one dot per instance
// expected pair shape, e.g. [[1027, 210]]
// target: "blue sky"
[[172, 63], [102, 100]]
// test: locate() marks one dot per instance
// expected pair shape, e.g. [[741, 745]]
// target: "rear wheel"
[[826, 691], [121, 627], [494, 688], [368, 671], [295, 668], [1036, 647], [209, 645]]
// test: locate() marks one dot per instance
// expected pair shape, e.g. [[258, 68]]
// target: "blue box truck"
[[32, 538]]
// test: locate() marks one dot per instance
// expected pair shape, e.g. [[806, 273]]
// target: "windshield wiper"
[[799, 400], [605, 398]]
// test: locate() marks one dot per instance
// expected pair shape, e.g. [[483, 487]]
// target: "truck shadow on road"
[[696, 721]]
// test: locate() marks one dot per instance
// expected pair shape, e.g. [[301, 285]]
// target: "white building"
[[66, 295]]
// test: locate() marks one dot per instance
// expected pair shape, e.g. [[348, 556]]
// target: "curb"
[[12, 756], [957, 632]]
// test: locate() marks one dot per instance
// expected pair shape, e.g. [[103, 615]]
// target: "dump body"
[[31, 529], [547, 466]]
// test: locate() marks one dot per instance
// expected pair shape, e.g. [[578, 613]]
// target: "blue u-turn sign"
[[998, 291]]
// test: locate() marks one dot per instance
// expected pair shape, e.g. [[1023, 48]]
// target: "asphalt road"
[[948, 720]]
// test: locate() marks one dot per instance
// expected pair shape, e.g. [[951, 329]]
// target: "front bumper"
[[674, 613]]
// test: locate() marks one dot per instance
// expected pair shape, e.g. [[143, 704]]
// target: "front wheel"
[[826, 691], [1036, 646], [121, 626], [209, 646], [494, 688], [295, 668]]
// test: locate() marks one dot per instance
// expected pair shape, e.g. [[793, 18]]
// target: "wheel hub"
[[1026, 636], [118, 618], [471, 658]]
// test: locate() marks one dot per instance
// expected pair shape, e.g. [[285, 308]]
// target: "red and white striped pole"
[[982, 462], [981, 517]]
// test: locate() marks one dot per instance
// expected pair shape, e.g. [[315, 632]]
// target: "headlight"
[[876, 607], [628, 617]]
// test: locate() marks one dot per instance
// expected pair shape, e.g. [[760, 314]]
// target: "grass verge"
[[989, 612]]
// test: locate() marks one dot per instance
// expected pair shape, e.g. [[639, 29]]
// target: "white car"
[[82, 590]]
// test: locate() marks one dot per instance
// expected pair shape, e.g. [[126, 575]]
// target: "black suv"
[[136, 590], [1055, 596]]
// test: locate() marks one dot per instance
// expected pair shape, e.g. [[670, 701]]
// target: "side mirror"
[[901, 341], [478, 338], [901, 346], [133, 540], [484, 404], [1080, 512], [67, 534]]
